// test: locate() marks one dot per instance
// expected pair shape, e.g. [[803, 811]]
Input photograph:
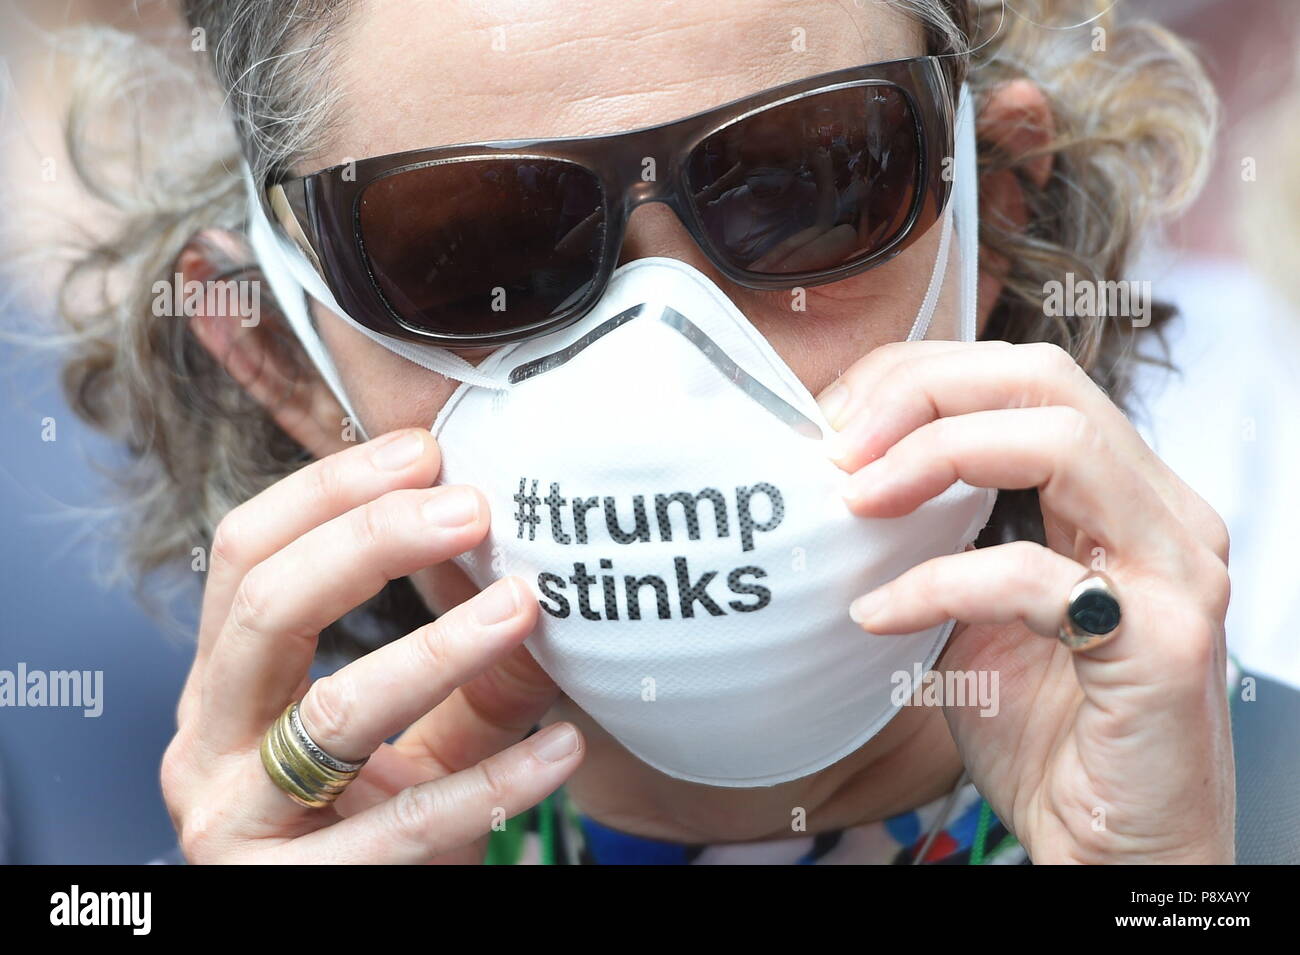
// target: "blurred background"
[[84, 790]]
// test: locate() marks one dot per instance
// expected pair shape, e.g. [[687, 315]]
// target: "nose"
[[653, 229]]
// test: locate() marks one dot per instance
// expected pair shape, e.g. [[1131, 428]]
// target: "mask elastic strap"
[[937, 273], [967, 202], [965, 207], [277, 267]]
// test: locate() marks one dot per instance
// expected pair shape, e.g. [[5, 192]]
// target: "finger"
[[913, 391], [285, 511], [423, 822], [494, 710], [1163, 666], [900, 387], [353, 710], [1057, 450], [482, 717], [1018, 582], [319, 492], [843, 400], [264, 651]]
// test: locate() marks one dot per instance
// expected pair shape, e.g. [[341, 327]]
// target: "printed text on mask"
[[677, 516]]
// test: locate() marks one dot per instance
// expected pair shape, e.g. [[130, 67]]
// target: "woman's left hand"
[[1122, 753]]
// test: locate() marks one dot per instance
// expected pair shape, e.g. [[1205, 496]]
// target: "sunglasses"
[[489, 243]]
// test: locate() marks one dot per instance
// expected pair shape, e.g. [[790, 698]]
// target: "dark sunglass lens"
[[483, 246], [810, 185]]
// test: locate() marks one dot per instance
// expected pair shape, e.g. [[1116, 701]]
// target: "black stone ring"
[[1092, 614]]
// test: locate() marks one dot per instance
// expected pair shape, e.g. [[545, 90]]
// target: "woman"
[[1096, 595]]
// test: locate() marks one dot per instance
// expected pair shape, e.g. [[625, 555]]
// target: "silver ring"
[[318, 754], [1092, 614]]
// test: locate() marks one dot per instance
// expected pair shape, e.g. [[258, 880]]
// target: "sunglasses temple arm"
[[292, 280]]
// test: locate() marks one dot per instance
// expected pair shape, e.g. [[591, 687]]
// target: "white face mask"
[[659, 474]]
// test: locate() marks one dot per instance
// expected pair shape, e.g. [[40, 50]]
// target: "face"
[[419, 74], [413, 74], [483, 70]]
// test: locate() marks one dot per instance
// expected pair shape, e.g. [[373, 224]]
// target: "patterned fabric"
[[968, 833], [554, 833]]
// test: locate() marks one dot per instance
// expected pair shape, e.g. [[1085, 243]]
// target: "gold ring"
[[1092, 614], [305, 772]]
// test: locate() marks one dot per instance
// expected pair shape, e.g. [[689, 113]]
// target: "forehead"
[[418, 73]]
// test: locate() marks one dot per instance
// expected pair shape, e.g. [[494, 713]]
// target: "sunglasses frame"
[[321, 212]]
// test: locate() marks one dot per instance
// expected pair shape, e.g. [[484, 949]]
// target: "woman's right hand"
[[460, 690]]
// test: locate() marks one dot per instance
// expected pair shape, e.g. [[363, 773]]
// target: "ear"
[[1016, 122], [240, 327]]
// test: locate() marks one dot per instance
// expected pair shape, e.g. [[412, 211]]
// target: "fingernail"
[[866, 481], [555, 743], [451, 507], [398, 452], [834, 446], [866, 607], [499, 602], [833, 401]]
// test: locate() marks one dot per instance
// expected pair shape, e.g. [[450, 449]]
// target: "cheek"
[[387, 391], [839, 323]]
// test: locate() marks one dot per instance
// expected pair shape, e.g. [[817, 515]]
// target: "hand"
[[1119, 754], [460, 690]]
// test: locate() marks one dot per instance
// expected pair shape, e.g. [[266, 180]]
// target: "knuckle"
[[1074, 431], [192, 844], [326, 481], [198, 836], [429, 644], [229, 539], [907, 378], [330, 704], [494, 780], [1190, 636], [410, 810], [248, 608], [371, 524], [927, 580], [1213, 582], [1052, 359], [939, 434], [174, 770], [1217, 537], [889, 350], [881, 360], [1192, 650], [1025, 561]]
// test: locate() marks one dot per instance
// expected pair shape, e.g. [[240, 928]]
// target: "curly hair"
[[1129, 145]]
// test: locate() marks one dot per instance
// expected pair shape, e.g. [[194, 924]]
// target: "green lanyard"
[[978, 854], [506, 845]]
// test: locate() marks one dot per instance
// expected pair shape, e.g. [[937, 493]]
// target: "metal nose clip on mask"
[[658, 473]]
